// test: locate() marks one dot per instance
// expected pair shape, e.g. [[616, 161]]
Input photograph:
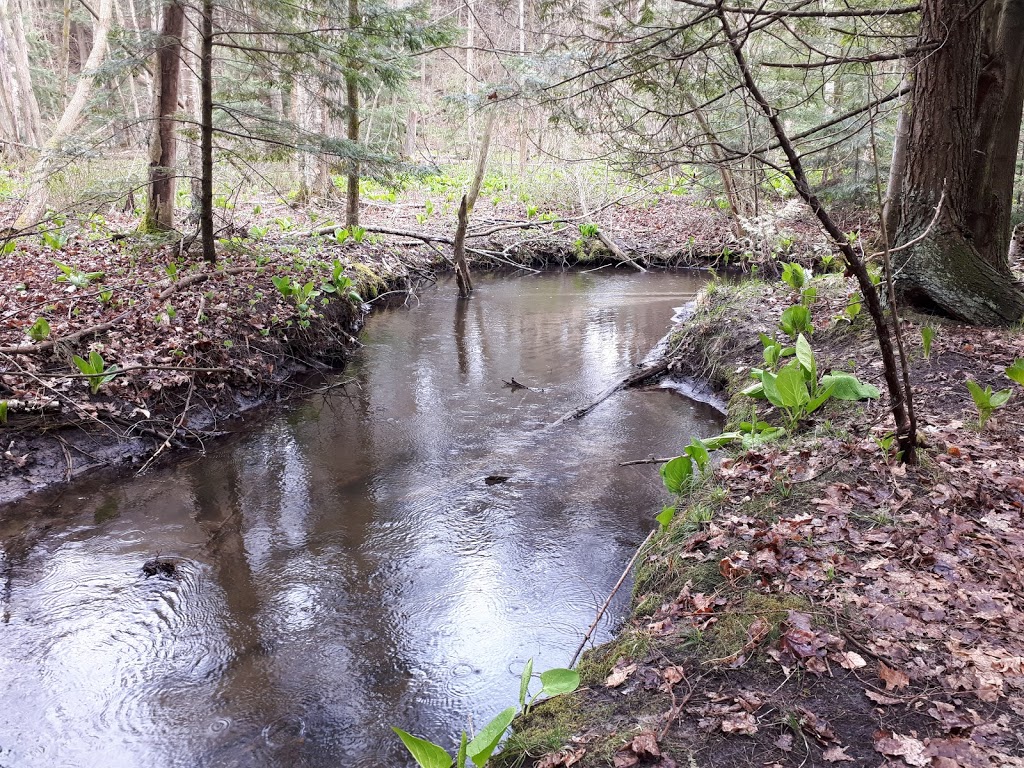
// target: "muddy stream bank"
[[353, 563]]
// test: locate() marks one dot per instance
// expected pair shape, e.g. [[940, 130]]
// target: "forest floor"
[[815, 602], [197, 345]]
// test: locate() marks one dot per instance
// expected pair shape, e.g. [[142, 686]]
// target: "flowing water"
[[346, 566]]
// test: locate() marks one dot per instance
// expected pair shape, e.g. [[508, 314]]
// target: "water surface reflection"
[[345, 567]]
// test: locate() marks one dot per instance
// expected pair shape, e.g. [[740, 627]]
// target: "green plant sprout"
[[1016, 371], [986, 401], [796, 389], [39, 330], [74, 277], [96, 370], [479, 749], [927, 337], [796, 320]]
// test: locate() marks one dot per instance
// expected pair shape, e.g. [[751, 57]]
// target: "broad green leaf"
[[484, 743], [524, 683], [1000, 398], [1016, 371], [82, 364], [805, 356], [718, 441], [771, 389], [821, 399], [699, 453], [425, 753], [846, 386], [754, 390], [767, 341], [557, 681], [666, 516], [3, 411], [981, 397], [676, 473], [39, 330], [790, 386]]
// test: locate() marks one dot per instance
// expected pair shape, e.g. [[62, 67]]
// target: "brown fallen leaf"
[[740, 722], [880, 698], [894, 679], [624, 758], [849, 660], [645, 745], [895, 745], [818, 727], [620, 674], [785, 742], [564, 757], [837, 755]]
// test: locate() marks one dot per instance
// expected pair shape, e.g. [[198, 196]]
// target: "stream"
[[346, 565]]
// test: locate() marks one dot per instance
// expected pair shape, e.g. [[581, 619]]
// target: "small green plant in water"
[[986, 401], [96, 370], [479, 749], [927, 337]]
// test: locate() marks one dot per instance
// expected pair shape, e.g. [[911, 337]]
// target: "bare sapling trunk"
[[897, 169], [481, 158], [206, 232], [38, 194], [21, 93], [899, 396], [737, 206], [163, 141], [352, 120], [462, 277]]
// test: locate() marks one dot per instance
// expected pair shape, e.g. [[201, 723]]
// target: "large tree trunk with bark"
[[1000, 102], [163, 142], [942, 269], [35, 200]]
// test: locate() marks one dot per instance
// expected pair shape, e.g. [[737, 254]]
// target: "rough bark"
[[163, 141], [35, 200], [352, 119], [461, 266], [206, 132], [944, 271], [1000, 101]]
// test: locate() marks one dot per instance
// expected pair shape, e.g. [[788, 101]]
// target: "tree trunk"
[[943, 271], [206, 130], [898, 167], [737, 205], [461, 267], [23, 95], [998, 119], [352, 115], [481, 160], [163, 143], [35, 201]]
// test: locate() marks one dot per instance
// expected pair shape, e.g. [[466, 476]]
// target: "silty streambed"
[[346, 566]]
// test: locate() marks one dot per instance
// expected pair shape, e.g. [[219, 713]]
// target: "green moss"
[[728, 635], [548, 727]]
